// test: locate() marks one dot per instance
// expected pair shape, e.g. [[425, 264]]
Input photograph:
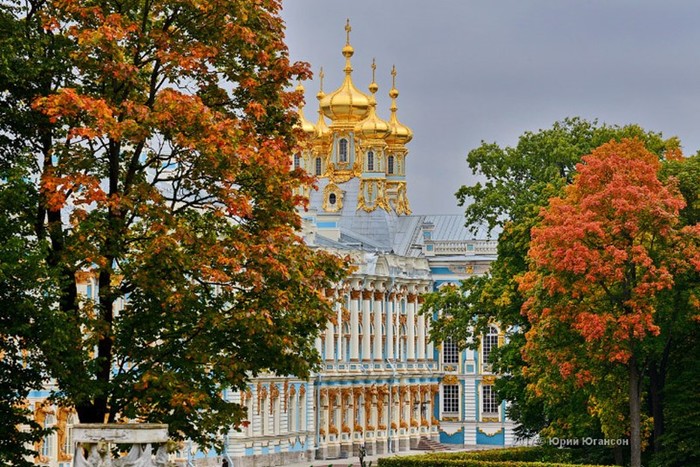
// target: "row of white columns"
[[362, 303]]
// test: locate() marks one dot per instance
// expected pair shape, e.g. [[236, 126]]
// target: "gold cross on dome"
[[347, 31]]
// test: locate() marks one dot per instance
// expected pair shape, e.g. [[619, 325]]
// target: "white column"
[[318, 345], [390, 326], [378, 311], [421, 333], [411, 326], [429, 347], [354, 324], [339, 331], [396, 304], [366, 325], [330, 337]]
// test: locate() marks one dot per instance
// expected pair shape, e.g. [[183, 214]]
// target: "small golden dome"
[[373, 127], [400, 133], [347, 103], [308, 127]]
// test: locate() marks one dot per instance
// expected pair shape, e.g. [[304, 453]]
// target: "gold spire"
[[373, 127], [322, 129], [347, 103], [400, 133]]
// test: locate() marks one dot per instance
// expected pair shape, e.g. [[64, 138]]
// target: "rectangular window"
[[489, 401], [450, 398], [450, 353], [489, 343]]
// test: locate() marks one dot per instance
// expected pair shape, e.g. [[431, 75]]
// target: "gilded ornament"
[[488, 380], [450, 380]]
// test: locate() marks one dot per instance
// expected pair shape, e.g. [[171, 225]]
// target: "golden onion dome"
[[347, 103], [373, 127], [308, 127], [400, 133]]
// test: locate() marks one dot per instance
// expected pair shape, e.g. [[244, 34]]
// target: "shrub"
[[511, 457]]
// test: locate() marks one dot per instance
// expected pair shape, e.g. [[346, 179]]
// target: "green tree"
[[674, 407], [22, 293], [601, 260], [518, 182], [158, 136], [25, 281]]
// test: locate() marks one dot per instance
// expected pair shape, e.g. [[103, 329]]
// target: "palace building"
[[383, 384]]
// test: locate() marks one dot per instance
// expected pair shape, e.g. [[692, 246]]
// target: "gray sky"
[[490, 70]]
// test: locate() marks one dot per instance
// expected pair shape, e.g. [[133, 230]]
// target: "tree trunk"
[[656, 386], [619, 455], [635, 415]]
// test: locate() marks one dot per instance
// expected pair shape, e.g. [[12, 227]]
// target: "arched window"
[[292, 408], [68, 440], [370, 161], [264, 421], [332, 198], [343, 150], [490, 342], [297, 160], [346, 341], [361, 339], [335, 348], [403, 354], [47, 448], [318, 167], [390, 164], [301, 413]]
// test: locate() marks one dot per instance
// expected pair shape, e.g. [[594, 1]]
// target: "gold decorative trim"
[[488, 380], [450, 380], [489, 420], [492, 434]]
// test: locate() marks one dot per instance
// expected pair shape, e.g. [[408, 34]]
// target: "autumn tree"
[[601, 260], [517, 182], [157, 136]]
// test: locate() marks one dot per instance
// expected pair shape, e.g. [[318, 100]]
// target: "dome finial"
[[400, 133], [373, 127], [321, 127], [321, 75], [348, 51], [373, 85], [393, 92], [347, 31]]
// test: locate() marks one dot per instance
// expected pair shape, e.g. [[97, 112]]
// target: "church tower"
[[358, 158]]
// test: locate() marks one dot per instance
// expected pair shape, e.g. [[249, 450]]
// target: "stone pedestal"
[[92, 445]]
